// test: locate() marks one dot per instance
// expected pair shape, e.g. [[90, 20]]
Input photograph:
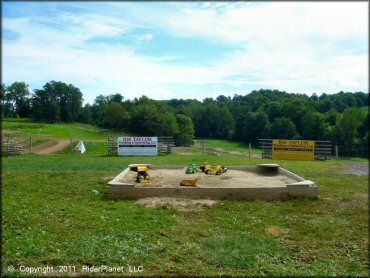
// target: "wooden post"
[[203, 145], [71, 145], [30, 144], [336, 152], [108, 146], [250, 147]]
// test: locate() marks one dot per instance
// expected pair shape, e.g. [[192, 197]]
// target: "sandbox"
[[264, 182]]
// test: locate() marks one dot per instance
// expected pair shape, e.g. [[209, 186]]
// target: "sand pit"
[[266, 182], [232, 178]]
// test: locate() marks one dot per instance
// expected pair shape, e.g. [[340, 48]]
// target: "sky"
[[194, 50]]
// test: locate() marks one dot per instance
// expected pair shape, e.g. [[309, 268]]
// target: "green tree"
[[283, 128], [331, 117], [17, 96], [313, 126], [57, 101], [274, 109], [98, 109], [216, 120], [348, 125], [86, 115], [45, 107], [185, 137], [116, 116], [254, 127], [150, 118], [4, 110]]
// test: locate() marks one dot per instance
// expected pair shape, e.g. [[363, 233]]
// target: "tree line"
[[342, 118]]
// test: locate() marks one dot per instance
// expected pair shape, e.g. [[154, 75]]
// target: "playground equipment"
[[192, 168], [263, 182], [142, 173], [216, 170], [212, 170]]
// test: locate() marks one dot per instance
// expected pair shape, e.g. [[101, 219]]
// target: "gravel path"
[[357, 168]]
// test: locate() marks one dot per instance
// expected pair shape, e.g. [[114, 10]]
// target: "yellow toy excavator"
[[142, 175], [214, 170], [192, 182]]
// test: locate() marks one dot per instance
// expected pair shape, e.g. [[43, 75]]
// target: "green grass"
[[229, 145], [52, 217], [25, 120], [51, 131], [360, 159], [96, 148]]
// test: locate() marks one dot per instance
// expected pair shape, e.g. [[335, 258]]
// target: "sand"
[[177, 203], [232, 178]]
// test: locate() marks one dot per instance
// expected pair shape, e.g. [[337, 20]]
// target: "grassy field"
[[21, 129], [215, 146], [24, 129], [229, 145], [51, 216]]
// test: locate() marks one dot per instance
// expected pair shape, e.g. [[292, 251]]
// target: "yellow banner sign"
[[293, 149]]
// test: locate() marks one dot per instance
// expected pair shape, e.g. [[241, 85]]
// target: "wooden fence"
[[360, 151], [323, 149], [166, 145], [112, 146], [11, 147]]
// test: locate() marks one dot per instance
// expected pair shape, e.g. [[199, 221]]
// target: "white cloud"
[[297, 47]]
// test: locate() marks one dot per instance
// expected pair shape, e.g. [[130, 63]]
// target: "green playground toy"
[[192, 168]]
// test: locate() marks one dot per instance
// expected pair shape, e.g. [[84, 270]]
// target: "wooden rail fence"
[[11, 147], [323, 149]]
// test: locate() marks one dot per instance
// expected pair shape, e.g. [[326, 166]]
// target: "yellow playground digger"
[[142, 175], [212, 170]]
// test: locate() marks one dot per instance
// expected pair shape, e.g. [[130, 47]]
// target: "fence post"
[[203, 145], [250, 147], [108, 147], [71, 145], [30, 144], [336, 152]]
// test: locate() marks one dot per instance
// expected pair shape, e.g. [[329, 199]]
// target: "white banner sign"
[[138, 146]]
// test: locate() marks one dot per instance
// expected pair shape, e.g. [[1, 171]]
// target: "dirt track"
[[51, 146]]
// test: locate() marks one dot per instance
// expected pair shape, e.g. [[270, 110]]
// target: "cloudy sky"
[[187, 50]]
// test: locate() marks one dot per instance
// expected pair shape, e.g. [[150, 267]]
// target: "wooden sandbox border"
[[301, 188]]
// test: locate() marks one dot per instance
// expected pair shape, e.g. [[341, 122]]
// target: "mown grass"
[[230, 146], [360, 159], [96, 148], [51, 216], [78, 131]]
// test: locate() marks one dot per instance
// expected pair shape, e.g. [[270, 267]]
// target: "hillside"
[[52, 138], [42, 131]]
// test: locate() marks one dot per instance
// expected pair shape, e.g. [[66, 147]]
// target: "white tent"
[[80, 148]]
